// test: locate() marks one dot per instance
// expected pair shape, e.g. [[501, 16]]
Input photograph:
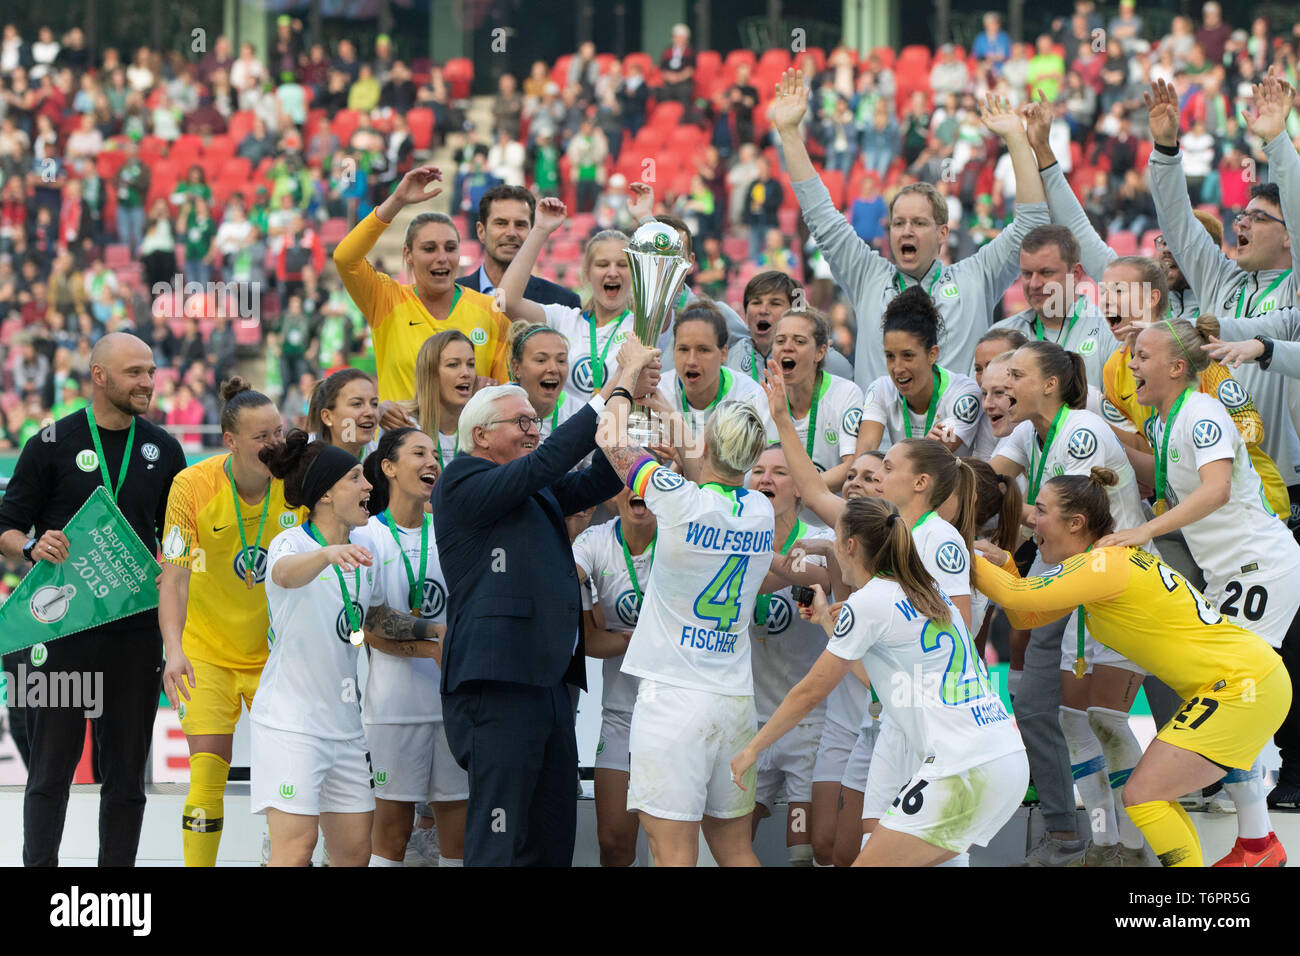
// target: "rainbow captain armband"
[[638, 479]]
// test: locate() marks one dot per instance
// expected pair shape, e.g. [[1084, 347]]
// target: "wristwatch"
[[1267, 357], [28, 548]]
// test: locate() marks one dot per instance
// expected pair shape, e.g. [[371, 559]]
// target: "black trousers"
[[518, 744], [1287, 737], [126, 676]]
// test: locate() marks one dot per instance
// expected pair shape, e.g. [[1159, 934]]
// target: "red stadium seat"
[[818, 55], [420, 121], [834, 180], [788, 219], [559, 72], [1123, 242], [645, 61], [344, 125], [1147, 245], [666, 116], [117, 255], [581, 223], [458, 74], [735, 248], [605, 60], [187, 143], [777, 60], [333, 230], [565, 251], [240, 125], [1143, 154], [886, 56]]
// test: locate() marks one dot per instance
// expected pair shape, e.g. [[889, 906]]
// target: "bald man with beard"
[[107, 443]]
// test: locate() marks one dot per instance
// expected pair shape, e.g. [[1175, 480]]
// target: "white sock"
[[376, 860], [823, 866], [1246, 789], [449, 861], [1122, 751], [1088, 766], [863, 845], [1013, 683], [961, 859], [801, 855]]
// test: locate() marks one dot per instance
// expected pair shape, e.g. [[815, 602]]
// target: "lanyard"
[[627, 559], [765, 600], [250, 555], [898, 279], [922, 520], [437, 446], [414, 585], [1060, 337], [598, 368], [1080, 665], [822, 383], [724, 386], [936, 393], [354, 616], [1241, 295], [1036, 474], [1162, 453], [99, 451], [755, 372], [555, 415]]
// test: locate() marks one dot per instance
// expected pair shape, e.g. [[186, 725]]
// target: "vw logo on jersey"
[[434, 601], [342, 627], [1149, 428], [1232, 394], [844, 623], [666, 479], [779, 616], [149, 451], [1205, 433], [950, 558], [1083, 444], [628, 608], [851, 421], [966, 408], [581, 374], [259, 565], [1110, 412]]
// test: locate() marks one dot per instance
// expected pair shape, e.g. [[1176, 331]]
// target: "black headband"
[[325, 469]]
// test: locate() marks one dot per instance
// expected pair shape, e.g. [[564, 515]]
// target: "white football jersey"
[[1084, 441], [785, 647], [944, 554], [404, 690], [733, 387], [309, 683], [448, 447], [599, 552], [928, 678], [713, 550], [960, 404], [1241, 532], [839, 410], [575, 325]]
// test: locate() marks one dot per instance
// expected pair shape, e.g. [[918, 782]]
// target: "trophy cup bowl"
[[657, 270]]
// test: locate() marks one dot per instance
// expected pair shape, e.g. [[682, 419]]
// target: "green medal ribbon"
[[415, 586], [1162, 454], [250, 555], [627, 559], [936, 393], [1241, 294], [819, 389], [1036, 474], [555, 414], [598, 369], [1061, 336], [1080, 665], [765, 600], [354, 617], [922, 520], [754, 372], [99, 451], [724, 386], [938, 270]]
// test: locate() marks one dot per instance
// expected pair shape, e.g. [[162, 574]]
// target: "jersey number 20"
[[720, 600]]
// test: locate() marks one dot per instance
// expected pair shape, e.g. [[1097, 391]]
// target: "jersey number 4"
[[719, 602]]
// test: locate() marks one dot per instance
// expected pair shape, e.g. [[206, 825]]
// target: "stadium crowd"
[[124, 177]]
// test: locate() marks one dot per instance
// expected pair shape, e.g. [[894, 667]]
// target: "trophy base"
[[644, 427]]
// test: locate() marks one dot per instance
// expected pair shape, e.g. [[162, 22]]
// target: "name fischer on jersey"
[[701, 638]]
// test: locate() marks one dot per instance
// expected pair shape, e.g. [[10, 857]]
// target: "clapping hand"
[[1038, 120]]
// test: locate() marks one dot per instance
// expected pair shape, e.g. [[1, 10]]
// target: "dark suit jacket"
[[504, 549], [538, 290]]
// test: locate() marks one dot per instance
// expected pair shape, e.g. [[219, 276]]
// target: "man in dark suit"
[[505, 215], [514, 625]]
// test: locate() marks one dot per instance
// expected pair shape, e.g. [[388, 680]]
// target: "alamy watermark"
[[82, 690]]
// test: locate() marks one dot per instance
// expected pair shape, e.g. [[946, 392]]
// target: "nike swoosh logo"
[[390, 561], [1263, 859], [1125, 398], [221, 529], [415, 323], [606, 572]]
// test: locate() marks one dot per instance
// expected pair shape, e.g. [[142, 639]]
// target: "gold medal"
[[874, 709], [248, 578], [1080, 668]]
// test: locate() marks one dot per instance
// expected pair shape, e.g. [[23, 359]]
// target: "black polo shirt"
[[49, 486]]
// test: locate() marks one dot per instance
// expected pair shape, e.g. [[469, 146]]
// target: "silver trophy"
[[657, 268]]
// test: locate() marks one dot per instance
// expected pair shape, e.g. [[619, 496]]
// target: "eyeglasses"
[[917, 224], [1160, 243], [1257, 217], [522, 421]]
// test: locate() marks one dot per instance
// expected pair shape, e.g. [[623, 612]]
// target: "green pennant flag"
[[109, 575]]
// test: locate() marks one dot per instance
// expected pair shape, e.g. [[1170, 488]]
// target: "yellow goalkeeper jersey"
[[225, 620], [1218, 382], [399, 322], [1141, 608]]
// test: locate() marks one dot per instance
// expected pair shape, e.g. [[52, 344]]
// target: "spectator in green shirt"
[[194, 184], [546, 166], [364, 94], [1046, 70], [132, 187], [713, 270], [200, 230], [69, 398]]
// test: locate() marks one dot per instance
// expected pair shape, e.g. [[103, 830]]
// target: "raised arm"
[[550, 215], [999, 116], [825, 504], [1273, 99]]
